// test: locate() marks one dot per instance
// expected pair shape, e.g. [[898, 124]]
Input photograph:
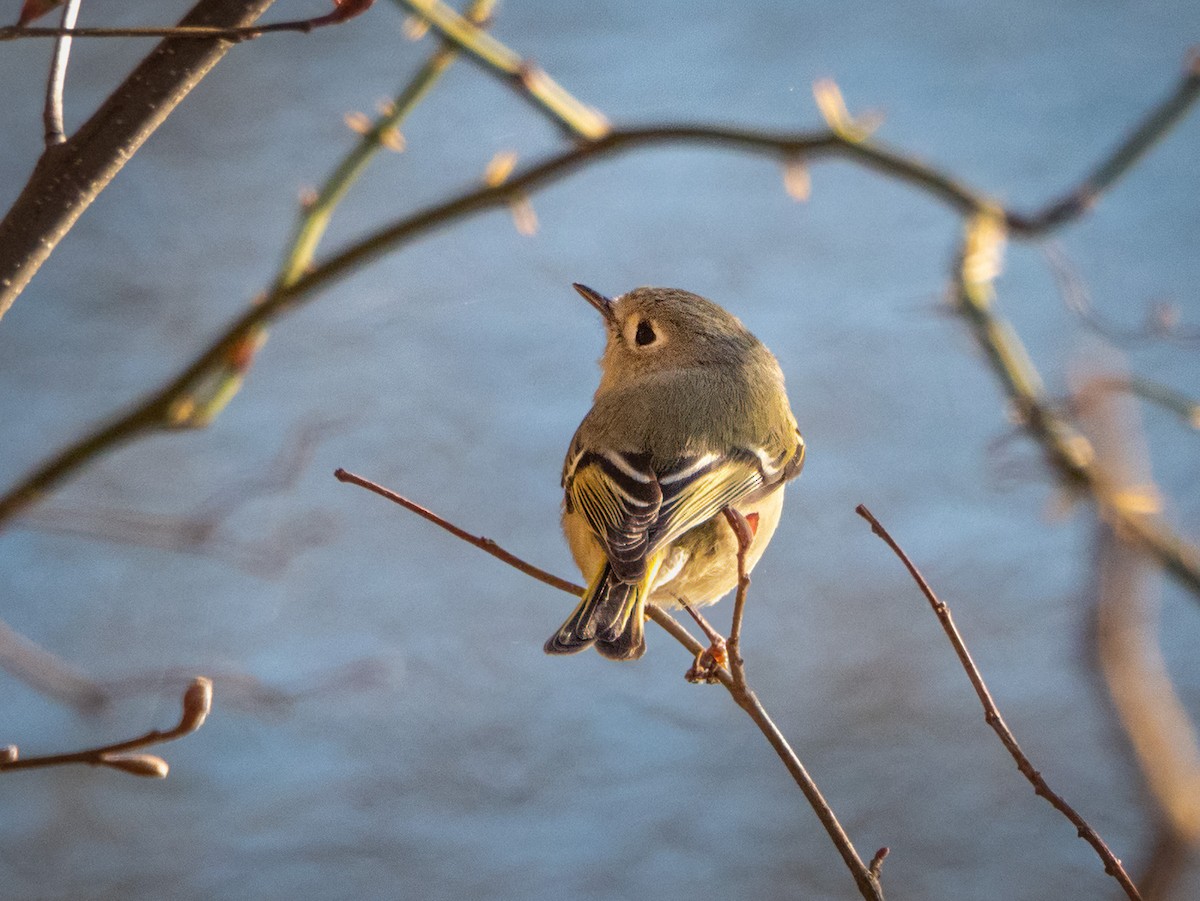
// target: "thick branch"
[[71, 175]]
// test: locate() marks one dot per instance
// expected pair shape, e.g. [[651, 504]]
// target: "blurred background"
[[385, 723]]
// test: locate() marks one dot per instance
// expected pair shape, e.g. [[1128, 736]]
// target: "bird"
[[690, 417]]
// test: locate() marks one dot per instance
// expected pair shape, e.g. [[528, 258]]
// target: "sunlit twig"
[[197, 702], [992, 716], [52, 116], [866, 877]]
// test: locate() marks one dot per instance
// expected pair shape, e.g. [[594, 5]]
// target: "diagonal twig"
[[575, 118], [866, 877], [1112, 865]]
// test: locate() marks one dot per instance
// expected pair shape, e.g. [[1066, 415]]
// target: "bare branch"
[[865, 878], [1151, 712], [992, 716], [1160, 322], [1069, 453], [53, 114], [530, 80], [343, 12], [199, 530], [484, 544], [46, 673], [71, 175], [196, 703], [744, 536]]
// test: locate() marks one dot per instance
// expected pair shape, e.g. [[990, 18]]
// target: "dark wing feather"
[[619, 496]]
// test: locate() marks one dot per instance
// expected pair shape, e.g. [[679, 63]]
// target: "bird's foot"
[[713, 658], [708, 663]]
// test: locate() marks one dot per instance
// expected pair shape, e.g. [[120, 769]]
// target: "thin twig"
[[1184, 408], [992, 716], [47, 674], [1160, 322], [52, 116], [744, 536], [865, 878], [67, 31], [530, 80], [196, 703], [484, 544]]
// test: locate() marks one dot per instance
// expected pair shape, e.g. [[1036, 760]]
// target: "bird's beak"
[[602, 304]]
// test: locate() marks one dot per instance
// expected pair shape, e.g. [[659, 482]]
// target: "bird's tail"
[[611, 616]]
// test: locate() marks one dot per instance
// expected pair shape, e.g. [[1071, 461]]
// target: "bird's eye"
[[645, 334]]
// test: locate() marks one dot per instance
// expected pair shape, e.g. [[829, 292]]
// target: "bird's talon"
[[708, 663]]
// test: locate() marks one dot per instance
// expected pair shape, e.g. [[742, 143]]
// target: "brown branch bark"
[[69, 176], [196, 703], [1112, 865], [866, 877]]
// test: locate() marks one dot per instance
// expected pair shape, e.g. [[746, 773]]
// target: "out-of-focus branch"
[[1069, 453], [581, 121], [199, 530], [209, 396], [69, 176], [548, 96], [52, 116], [46, 673], [1160, 321], [1185, 409], [866, 877], [1148, 132], [1154, 719], [227, 357], [203, 389], [197, 702], [992, 716]]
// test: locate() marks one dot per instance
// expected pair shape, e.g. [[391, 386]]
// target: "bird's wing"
[[697, 489], [635, 509], [619, 496]]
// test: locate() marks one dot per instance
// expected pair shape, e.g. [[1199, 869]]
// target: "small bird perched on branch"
[[690, 418]]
